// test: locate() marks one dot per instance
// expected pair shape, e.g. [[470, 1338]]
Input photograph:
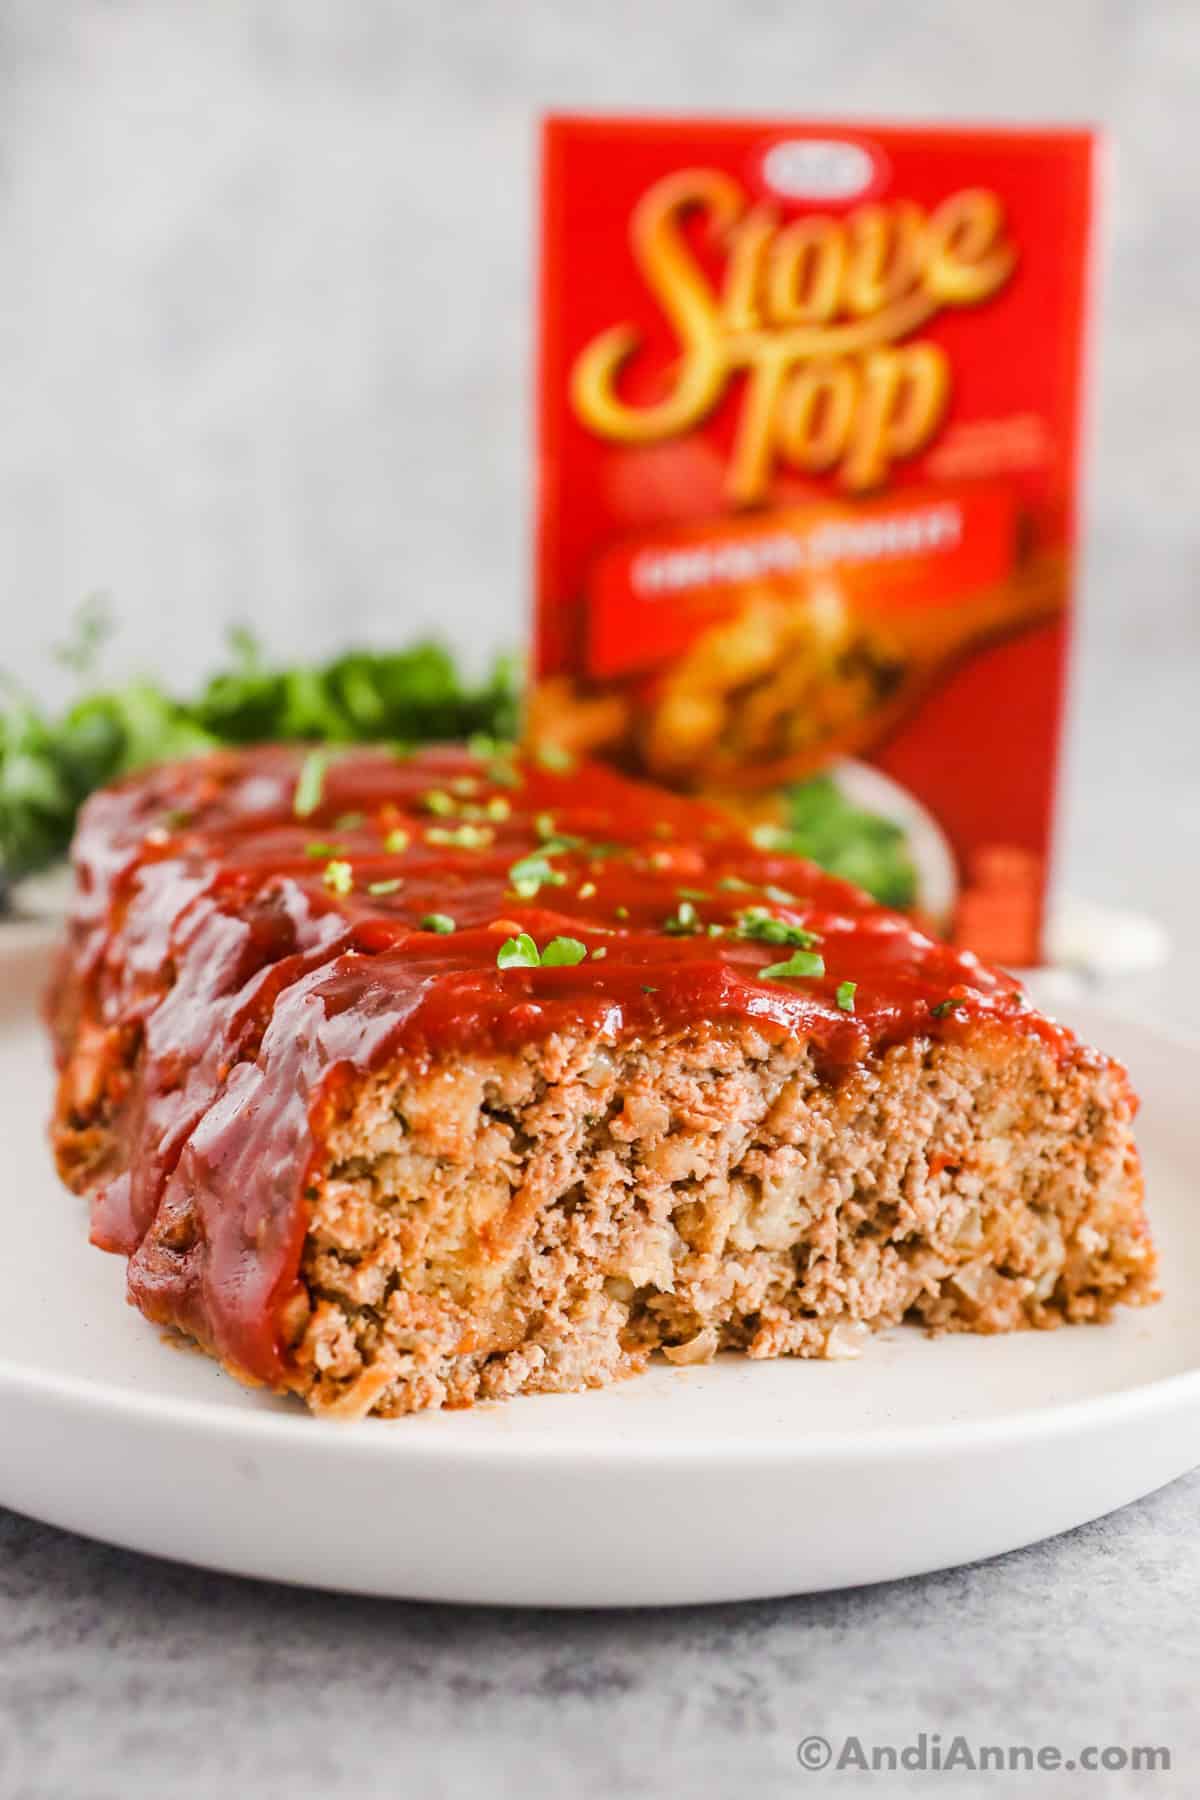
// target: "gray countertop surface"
[[120, 1676], [172, 457]]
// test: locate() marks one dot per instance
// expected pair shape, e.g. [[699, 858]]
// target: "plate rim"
[[364, 1438]]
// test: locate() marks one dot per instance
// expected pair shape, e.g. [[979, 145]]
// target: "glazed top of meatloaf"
[[252, 927]]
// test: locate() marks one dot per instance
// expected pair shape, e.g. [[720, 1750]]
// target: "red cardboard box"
[[809, 406]]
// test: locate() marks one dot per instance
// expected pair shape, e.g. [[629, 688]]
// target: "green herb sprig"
[[799, 965], [522, 953], [757, 923]]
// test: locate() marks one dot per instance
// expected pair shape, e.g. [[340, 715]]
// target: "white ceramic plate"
[[736, 1480]]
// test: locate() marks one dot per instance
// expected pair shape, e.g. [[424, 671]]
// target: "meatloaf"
[[406, 1081]]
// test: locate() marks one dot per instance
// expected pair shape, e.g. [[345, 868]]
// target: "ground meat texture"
[[357, 1161]]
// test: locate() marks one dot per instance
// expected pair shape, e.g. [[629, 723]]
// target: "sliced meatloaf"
[[405, 1081]]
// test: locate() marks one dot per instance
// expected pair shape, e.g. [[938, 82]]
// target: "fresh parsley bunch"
[[49, 764], [823, 825]]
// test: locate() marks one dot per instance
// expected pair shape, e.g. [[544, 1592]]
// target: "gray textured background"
[[264, 353]]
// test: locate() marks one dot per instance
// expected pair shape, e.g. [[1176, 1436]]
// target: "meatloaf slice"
[[406, 1081]]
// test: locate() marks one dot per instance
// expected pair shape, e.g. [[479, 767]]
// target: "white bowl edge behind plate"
[[732, 1481]]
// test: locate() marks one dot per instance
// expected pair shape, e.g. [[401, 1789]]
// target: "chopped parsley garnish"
[[442, 923], [435, 801], [563, 953], [554, 840], [533, 872], [692, 894], [799, 964], [461, 837], [756, 922], [320, 849], [586, 890], [647, 989], [945, 1007], [497, 753], [310, 783], [522, 953], [465, 785], [396, 841], [846, 991], [348, 821], [780, 896], [377, 888], [518, 953], [498, 807], [554, 758], [601, 950], [620, 912], [684, 922], [733, 884], [338, 877], [481, 744]]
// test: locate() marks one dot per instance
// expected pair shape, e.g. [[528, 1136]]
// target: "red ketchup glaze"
[[245, 945]]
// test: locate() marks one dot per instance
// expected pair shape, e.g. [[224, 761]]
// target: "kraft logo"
[[821, 169]]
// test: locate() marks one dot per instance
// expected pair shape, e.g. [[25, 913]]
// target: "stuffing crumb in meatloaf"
[[545, 1222]]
